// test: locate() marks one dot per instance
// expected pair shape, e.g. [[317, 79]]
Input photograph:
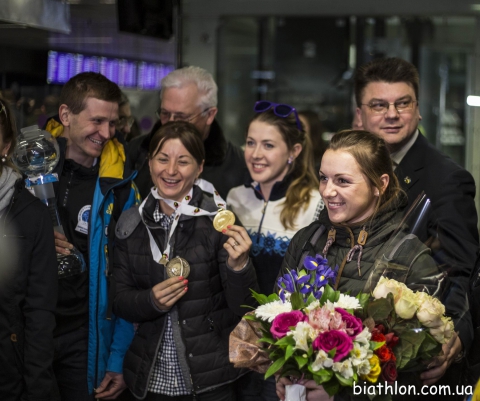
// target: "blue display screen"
[[125, 73]]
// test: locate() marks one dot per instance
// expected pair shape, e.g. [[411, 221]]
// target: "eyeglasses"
[[280, 110], [380, 107], [123, 121], [165, 115]]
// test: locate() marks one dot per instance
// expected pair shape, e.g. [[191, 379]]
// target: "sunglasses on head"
[[280, 110]]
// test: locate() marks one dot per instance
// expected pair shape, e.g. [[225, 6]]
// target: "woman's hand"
[[62, 245], [237, 246], [440, 364], [315, 392], [166, 293]]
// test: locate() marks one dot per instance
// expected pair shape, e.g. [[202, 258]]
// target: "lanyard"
[[179, 208]]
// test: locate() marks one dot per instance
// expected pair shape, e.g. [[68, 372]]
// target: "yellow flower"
[[375, 370]]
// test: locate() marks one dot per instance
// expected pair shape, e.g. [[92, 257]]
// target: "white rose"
[[443, 333], [430, 311], [385, 287], [406, 305]]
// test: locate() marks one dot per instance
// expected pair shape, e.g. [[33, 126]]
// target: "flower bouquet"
[[310, 331]]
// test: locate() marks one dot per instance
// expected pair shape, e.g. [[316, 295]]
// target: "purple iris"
[[320, 274]]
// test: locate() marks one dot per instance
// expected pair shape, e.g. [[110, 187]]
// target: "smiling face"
[[348, 195], [393, 127], [174, 170], [88, 131], [267, 154]]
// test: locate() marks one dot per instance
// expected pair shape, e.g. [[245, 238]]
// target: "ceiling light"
[[473, 101]]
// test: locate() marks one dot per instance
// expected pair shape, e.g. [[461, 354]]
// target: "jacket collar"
[[112, 159], [279, 189]]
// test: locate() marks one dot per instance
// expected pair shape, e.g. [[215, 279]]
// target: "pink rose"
[[282, 323], [334, 339], [353, 324]]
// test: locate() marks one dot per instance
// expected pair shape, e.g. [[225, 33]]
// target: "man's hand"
[[440, 364], [111, 386], [62, 245]]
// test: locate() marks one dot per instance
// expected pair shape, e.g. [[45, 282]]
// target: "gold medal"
[[178, 267], [223, 219]]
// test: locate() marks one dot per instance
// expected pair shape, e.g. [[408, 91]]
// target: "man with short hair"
[[386, 92], [190, 94], [93, 189], [125, 119]]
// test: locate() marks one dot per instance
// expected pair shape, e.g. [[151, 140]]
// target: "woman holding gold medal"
[[182, 273]]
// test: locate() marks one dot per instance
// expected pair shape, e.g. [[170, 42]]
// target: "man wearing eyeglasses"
[[190, 94], [386, 92]]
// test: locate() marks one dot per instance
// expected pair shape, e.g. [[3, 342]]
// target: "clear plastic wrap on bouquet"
[[404, 255]]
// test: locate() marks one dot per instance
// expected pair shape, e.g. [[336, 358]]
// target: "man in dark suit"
[[386, 92]]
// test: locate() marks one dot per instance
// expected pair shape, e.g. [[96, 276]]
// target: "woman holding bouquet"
[[179, 280], [279, 197], [364, 205]]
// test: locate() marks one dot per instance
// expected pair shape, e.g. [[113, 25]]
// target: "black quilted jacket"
[[202, 319]]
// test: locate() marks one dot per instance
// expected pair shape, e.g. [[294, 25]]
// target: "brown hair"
[[186, 132], [390, 70], [8, 132], [88, 84], [373, 158], [301, 170]]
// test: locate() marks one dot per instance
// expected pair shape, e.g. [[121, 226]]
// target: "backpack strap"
[[309, 244]]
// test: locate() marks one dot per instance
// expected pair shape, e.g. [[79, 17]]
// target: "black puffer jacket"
[[28, 295], [206, 314]]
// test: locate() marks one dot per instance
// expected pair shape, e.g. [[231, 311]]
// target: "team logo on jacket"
[[83, 217]]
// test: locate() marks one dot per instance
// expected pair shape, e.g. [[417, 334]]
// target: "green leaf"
[[275, 367], [273, 297], [301, 361], [329, 294], [344, 382], [266, 340], [310, 299], [332, 387], [376, 345], [297, 301], [322, 375], [332, 352], [380, 309], [284, 341], [407, 347], [289, 351], [250, 317], [261, 299], [363, 299]]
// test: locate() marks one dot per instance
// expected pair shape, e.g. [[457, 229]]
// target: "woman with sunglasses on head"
[[28, 281], [364, 206], [181, 277], [279, 197]]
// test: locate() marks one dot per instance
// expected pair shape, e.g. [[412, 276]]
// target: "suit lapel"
[[409, 170]]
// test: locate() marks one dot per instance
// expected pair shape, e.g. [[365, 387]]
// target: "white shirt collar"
[[399, 155]]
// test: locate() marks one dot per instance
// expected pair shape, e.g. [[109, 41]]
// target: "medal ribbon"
[[180, 208]]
